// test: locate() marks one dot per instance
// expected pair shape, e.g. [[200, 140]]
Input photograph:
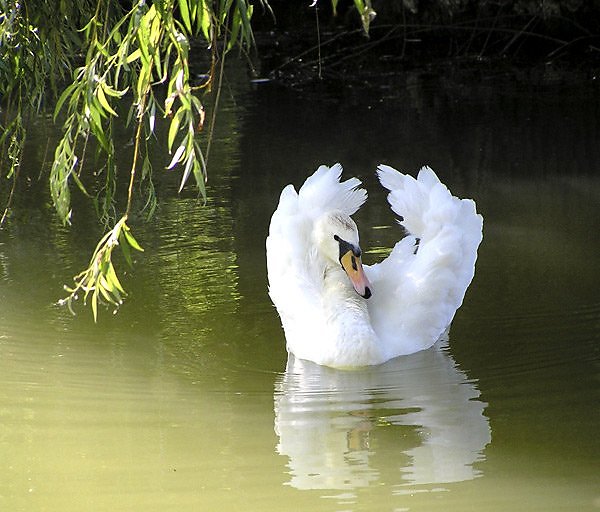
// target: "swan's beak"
[[352, 264]]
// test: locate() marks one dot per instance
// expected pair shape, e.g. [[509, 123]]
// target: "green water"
[[185, 399]]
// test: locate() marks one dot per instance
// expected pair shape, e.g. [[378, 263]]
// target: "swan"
[[337, 312]]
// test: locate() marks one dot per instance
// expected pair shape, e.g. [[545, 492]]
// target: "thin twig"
[[569, 43], [138, 136], [44, 159], [402, 53], [318, 42], [12, 192], [316, 47], [213, 118], [518, 35], [411, 30], [489, 34], [15, 172]]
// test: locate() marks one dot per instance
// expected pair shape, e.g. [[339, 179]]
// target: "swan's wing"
[[294, 282], [420, 285], [323, 191]]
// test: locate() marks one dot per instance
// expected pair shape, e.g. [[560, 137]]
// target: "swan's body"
[[345, 316]]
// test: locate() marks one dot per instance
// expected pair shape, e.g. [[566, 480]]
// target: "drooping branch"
[[147, 47]]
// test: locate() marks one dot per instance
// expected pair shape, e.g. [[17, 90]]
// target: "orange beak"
[[353, 267]]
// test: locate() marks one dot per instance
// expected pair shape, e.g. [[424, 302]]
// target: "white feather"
[[416, 289]]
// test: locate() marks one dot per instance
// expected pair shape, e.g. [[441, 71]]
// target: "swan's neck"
[[338, 288], [348, 330], [342, 304]]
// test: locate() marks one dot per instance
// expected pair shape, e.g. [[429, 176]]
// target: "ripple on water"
[[419, 415], [542, 337]]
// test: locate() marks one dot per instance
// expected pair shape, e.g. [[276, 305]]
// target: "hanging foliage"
[[128, 55]]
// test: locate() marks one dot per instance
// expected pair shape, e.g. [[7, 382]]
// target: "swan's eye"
[[336, 238]]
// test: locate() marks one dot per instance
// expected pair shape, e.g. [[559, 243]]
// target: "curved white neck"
[[340, 300]]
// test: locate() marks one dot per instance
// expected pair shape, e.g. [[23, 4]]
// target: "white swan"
[[334, 311]]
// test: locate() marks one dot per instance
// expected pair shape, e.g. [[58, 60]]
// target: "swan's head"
[[336, 238]]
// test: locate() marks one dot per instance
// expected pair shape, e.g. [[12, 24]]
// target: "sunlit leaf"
[[224, 10], [194, 11], [152, 118], [143, 83], [176, 157], [104, 102], [245, 11], [236, 24], [102, 49], [166, 63], [105, 293], [125, 248], [185, 14], [95, 305], [98, 130], [133, 56], [187, 170], [132, 241], [143, 39], [110, 91], [174, 128], [205, 21], [366, 13], [63, 97], [111, 277], [334, 6], [155, 30]]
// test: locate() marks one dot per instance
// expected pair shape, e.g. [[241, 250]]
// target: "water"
[[186, 400]]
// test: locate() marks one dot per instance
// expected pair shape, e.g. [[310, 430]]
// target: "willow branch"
[[136, 152]]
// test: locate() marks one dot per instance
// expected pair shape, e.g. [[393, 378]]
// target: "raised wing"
[[293, 285], [323, 191], [419, 287]]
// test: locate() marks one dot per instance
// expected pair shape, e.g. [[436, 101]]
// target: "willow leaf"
[[104, 102], [107, 295], [185, 15], [174, 128], [245, 11], [112, 278], [133, 56], [63, 97], [110, 91], [152, 117], [176, 157], [236, 23], [188, 169], [124, 244], [224, 11], [95, 304], [131, 240], [205, 21], [334, 6]]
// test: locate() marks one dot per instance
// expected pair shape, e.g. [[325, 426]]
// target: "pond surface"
[[186, 399]]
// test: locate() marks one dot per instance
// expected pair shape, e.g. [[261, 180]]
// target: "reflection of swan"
[[402, 304], [413, 420]]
